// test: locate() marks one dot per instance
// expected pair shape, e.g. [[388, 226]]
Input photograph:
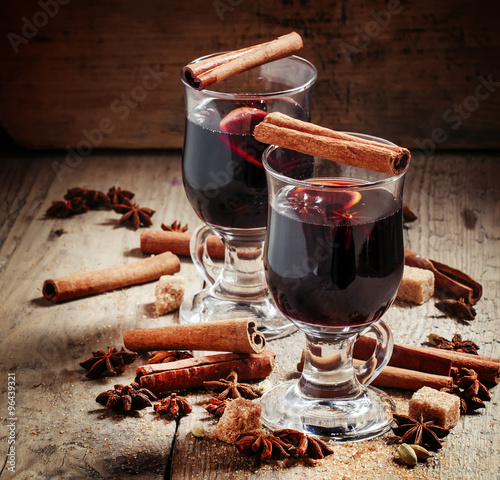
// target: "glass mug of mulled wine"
[[334, 260], [225, 183]]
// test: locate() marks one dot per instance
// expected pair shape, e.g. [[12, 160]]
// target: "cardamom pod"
[[407, 454], [421, 452]]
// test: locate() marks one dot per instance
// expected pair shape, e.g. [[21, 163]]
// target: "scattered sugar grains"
[[169, 293], [441, 407], [241, 415]]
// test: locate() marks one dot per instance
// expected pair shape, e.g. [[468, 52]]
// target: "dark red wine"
[[223, 175], [334, 259]]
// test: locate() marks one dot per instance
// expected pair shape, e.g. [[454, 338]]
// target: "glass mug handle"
[[369, 370], [198, 249]]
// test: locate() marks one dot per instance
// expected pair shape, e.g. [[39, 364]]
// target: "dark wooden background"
[[413, 72]]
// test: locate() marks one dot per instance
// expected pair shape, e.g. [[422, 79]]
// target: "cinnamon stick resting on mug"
[[304, 137], [239, 336], [214, 69], [158, 241], [192, 372], [98, 281]]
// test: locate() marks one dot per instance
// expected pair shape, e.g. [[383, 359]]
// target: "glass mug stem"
[[242, 276], [329, 371]]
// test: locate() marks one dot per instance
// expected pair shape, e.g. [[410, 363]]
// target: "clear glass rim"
[[390, 179], [239, 95]]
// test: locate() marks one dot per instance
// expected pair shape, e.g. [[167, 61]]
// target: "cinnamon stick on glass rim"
[[239, 336], [214, 69], [118, 276], [287, 132]]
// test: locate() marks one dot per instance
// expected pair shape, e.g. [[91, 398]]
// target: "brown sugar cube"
[[240, 415], [169, 293], [442, 407], [417, 285]]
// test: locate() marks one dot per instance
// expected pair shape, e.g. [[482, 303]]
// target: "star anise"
[[126, 398], [174, 227], [456, 343], [67, 208], [305, 446], [216, 407], [132, 213], [173, 406], [267, 447], [94, 199], [166, 356], [470, 390], [230, 388], [408, 215], [103, 364], [456, 308], [418, 432], [117, 196]]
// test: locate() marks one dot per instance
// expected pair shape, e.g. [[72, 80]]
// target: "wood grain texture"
[[407, 71], [63, 432]]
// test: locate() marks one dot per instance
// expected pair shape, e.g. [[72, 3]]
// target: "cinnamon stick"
[[98, 281], [405, 379], [284, 131], [239, 336], [214, 69], [447, 279], [433, 360], [192, 372], [158, 241]]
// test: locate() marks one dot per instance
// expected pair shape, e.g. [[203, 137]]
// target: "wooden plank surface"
[[61, 432], [106, 74]]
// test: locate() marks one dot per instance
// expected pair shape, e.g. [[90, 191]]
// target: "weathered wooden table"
[[59, 429]]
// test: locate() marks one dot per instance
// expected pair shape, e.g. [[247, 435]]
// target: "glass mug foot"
[[204, 307], [361, 418]]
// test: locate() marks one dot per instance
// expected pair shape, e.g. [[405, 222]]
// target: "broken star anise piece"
[[456, 343], [456, 308], [230, 388], [470, 390], [67, 208], [305, 446], [267, 447], [173, 406], [216, 407], [408, 215], [117, 196], [174, 227], [132, 213], [166, 356], [94, 199], [112, 363], [126, 398], [418, 432]]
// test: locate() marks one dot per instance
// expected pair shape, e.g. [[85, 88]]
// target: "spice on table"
[[231, 388], [419, 432], [305, 445], [94, 199], [266, 446], [112, 363], [132, 213], [66, 208], [408, 215], [456, 343], [407, 454], [456, 308], [216, 407], [126, 398], [118, 196], [470, 390], [174, 406], [174, 227], [165, 356]]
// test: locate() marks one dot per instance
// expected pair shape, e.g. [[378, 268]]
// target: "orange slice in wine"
[[242, 120], [346, 199]]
